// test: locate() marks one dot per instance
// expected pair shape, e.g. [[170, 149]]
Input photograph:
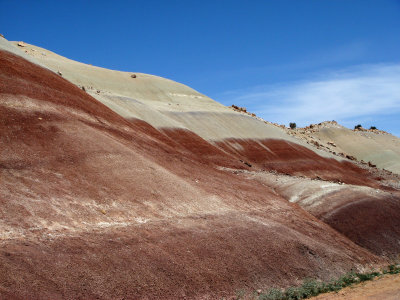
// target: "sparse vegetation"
[[292, 125], [272, 294], [372, 128], [312, 287], [358, 126], [240, 294], [392, 269]]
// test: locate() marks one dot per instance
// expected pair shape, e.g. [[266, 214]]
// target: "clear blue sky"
[[301, 61]]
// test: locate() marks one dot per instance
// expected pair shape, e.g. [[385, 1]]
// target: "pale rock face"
[[161, 102]]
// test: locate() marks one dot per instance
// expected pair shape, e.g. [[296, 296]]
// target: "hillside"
[[120, 187], [376, 147]]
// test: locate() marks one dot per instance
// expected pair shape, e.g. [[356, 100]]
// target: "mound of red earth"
[[97, 206]]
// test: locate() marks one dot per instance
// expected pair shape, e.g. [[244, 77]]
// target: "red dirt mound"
[[293, 159], [95, 206], [371, 222]]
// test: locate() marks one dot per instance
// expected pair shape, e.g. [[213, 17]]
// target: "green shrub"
[[272, 294], [393, 269], [333, 286], [292, 125], [292, 293], [372, 127], [366, 277], [357, 126], [348, 279], [311, 288]]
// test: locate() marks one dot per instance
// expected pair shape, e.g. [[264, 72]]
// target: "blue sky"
[[288, 61]]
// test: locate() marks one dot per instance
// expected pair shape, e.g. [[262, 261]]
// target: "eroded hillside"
[[115, 186]]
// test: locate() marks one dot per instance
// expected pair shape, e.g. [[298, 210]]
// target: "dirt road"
[[387, 287]]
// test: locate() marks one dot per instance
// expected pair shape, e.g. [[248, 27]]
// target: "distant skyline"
[[287, 61]]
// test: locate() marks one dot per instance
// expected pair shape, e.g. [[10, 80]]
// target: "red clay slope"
[[293, 159], [372, 222], [94, 206]]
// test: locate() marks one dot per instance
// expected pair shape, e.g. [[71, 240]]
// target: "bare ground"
[[387, 287], [97, 206]]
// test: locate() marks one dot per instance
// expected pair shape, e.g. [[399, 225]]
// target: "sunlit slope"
[[160, 102], [97, 206], [160, 91], [164, 103], [381, 149]]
